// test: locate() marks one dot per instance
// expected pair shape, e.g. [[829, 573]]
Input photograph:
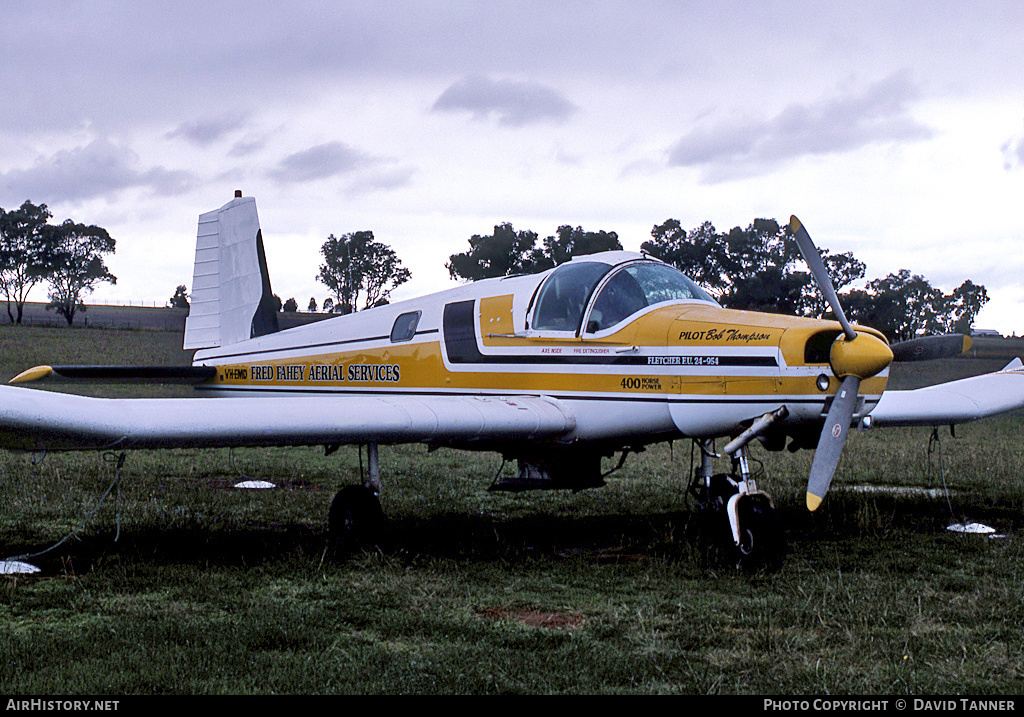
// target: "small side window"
[[405, 327]]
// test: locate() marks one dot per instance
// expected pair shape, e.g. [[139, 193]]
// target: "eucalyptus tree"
[[26, 254], [360, 270], [78, 251]]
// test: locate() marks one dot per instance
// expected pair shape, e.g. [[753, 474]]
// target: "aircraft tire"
[[714, 537], [355, 519], [762, 539]]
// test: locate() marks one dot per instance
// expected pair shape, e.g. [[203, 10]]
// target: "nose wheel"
[[761, 544]]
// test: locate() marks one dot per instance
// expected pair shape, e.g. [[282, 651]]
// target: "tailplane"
[[231, 298]]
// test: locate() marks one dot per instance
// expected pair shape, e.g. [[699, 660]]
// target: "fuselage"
[[638, 354]]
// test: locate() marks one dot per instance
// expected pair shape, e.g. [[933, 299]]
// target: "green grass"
[[211, 590]]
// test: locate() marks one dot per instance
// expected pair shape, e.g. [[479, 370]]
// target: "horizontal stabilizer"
[[34, 420], [119, 374], [968, 399]]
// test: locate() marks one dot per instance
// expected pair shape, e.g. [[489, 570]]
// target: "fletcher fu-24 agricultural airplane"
[[602, 354]]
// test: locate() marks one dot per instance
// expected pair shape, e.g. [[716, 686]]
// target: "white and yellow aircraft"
[[603, 354]]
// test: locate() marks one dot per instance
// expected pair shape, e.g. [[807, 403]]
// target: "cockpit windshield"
[[565, 294], [638, 286]]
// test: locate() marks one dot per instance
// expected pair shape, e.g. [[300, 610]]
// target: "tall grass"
[[181, 584]]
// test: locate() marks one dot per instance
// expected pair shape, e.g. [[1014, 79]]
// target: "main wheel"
[[355, 518], [714, 538], [762, 539]]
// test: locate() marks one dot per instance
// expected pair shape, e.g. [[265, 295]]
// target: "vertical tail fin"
[[231, 298]]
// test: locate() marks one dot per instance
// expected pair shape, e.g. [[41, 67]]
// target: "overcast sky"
[[893, 130]]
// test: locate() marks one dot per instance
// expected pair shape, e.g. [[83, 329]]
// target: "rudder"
[[231, 297]]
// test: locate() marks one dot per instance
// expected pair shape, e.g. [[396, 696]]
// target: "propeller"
[[854, 356], [813, 260]]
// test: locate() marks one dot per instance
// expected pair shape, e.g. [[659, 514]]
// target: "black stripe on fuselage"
[[459, 330]]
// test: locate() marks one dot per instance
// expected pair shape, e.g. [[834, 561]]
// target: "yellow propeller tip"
[[32, 374], [813, 502], [794, 224]]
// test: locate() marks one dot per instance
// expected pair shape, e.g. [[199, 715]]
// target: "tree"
[[26, 254], [180, 298], [503, 253], [78, 265], [903, 306], [358, 269], [700, 253], [758, 268], [291, 305], [964, 304], [507, 252], [568, 242], [312, 305]]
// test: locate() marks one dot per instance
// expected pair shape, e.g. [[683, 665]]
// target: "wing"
[[37, 420], [955, 402]]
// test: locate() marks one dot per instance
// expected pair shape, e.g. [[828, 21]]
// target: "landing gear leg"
[[355, 518], [756, 529], [741, 518]]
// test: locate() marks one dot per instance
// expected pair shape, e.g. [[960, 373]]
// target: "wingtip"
[[813, 502], [33, 374]]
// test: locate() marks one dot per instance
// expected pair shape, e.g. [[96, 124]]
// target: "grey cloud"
[[247, 146], [320, 162], [98, 168], [513, 103], [205, 132], [753, 146], [369, 173]]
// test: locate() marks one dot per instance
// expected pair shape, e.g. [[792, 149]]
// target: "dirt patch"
[[533, 617]]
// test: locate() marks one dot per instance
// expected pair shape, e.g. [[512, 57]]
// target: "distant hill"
[[153, 318]]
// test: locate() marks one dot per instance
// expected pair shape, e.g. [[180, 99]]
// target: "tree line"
[[756, 268], [760, 268], [68, 257], [362, 272]]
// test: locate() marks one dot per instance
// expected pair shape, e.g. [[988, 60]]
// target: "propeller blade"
[[830, 444], [817, 267], [927, 348]]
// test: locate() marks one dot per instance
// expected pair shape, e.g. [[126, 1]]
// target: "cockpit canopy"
[[621, 290]]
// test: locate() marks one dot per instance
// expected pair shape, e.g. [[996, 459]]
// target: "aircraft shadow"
[[624, 537], [444, 535]]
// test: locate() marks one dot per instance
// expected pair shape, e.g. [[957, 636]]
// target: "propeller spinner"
[[854, 356]]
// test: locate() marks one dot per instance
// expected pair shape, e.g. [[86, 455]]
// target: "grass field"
[[180, 584]]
